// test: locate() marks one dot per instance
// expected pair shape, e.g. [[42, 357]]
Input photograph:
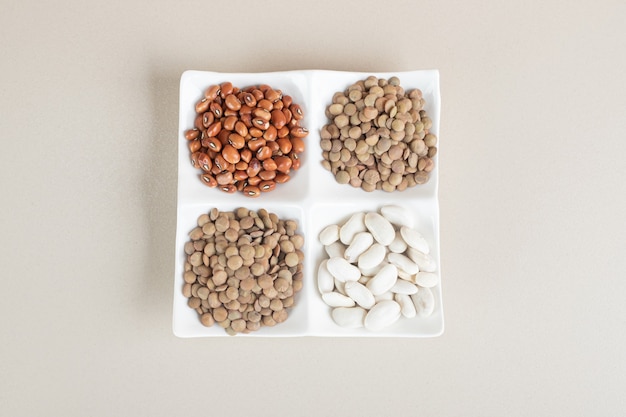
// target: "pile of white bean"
[[379, 269]]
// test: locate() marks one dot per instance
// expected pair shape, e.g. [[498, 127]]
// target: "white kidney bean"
[[404, 287], [424, 302], [386, 296], [379, 269], [340, 287], [334, 299], [360, 243], [370, 272], [343, 270], [329, 235], [425, 262], [360, 294], [427, 279], [382, 315], [380, 228], [384, 280], [398, 245], [400, 216], [406, 276], [403, 263], [407, 308], [352, 318], [335, 250], [350, 228], [372, 257], [414, 239], [325, 281]]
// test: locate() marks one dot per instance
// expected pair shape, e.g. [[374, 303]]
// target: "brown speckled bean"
[[234, 126]]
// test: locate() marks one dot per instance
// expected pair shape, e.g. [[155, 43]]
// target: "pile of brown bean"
[[243, 269], [246, 140], [379, 136]]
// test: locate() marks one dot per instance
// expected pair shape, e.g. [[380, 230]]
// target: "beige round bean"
[[383, 131], [251, 261]]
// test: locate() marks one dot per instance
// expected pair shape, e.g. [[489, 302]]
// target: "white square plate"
[[312, 197]]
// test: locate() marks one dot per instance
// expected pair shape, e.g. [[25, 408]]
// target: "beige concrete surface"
[[531, 192]]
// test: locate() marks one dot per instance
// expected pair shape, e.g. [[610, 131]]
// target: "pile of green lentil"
[[243, 269], [379, 136]]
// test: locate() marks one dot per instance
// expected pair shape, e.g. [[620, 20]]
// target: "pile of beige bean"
[[246, 140], [378, 270], [243, 269], [379, 137]]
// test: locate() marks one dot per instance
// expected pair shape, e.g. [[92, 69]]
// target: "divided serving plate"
[[312, 197]]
